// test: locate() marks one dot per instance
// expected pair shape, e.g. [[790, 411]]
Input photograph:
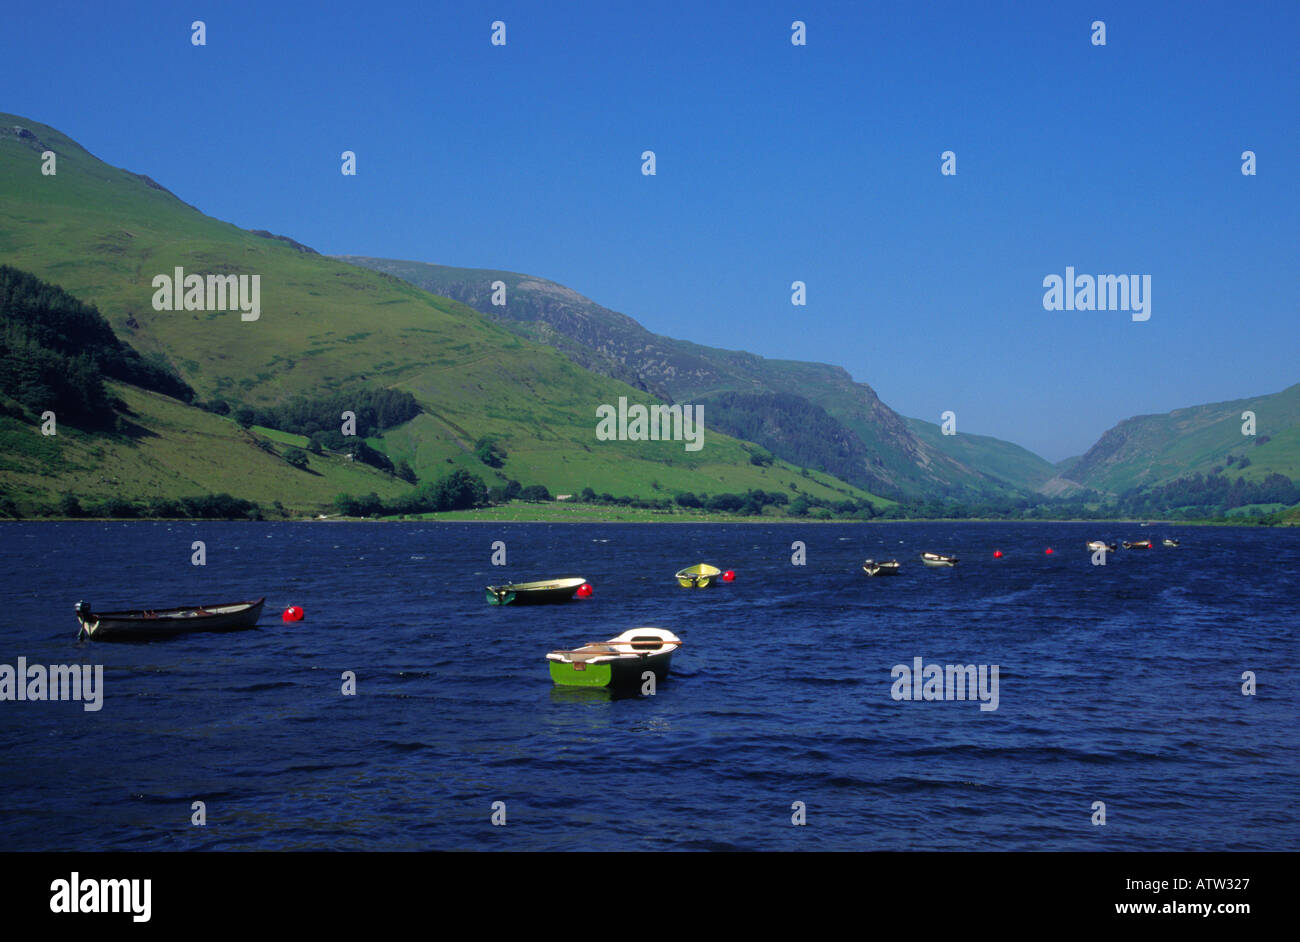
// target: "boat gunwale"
[[540, 585], [699, 569], [667, 644], [154, 614]]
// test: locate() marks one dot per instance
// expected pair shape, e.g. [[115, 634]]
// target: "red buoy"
[[1048, 551], [997, 554], [293, 613], [584, 590], [729, 575]]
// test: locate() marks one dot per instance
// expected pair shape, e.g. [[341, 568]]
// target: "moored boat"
[[1094, 545], [1170, 542], [1137, 544], [937, 559], [699, 576], [544, 592], [164, 622], [620, 661], [888, 567]]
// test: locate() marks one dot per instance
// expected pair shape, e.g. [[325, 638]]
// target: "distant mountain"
[[1004, 460], [324, 329], [807, 413], [1149, 450]]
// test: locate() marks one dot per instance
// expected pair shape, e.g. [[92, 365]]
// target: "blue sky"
[[775, 164]]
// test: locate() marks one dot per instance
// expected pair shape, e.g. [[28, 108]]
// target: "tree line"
[[202, 507], [56, 352]]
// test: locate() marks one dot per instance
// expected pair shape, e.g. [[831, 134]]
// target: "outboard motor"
[[84, 615]]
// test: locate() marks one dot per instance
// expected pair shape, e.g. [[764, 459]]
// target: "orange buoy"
[[293, 613]]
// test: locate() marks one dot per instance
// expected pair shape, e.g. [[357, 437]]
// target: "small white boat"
[[888, 567], [937, 559], [1094, 545], [1169, 542]]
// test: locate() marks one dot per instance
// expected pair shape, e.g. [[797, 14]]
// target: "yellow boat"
[[699, 576]]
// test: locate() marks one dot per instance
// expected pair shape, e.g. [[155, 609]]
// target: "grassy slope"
[[174, 451], [103, 234], [1149, 449]]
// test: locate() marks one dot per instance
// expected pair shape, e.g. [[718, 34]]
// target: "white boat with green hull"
[[620, 661]]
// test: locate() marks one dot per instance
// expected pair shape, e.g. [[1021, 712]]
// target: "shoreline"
[[457, 516]]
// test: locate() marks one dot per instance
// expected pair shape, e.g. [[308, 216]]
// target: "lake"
[[1119, 684]]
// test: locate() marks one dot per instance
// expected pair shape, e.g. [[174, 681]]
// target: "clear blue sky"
[[775, 163]]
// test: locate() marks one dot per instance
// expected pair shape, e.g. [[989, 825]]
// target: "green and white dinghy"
[[620, 661]]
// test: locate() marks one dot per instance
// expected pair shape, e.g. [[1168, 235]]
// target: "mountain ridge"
[[892, 459]]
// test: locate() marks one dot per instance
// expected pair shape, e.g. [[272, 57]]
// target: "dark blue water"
[[1119, 684]]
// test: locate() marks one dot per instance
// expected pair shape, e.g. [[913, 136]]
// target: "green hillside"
[[813, 414], [103, 234], [1207, 439], [170, 450], [993, 456]]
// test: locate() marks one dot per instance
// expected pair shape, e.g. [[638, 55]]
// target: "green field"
[[283, 438]]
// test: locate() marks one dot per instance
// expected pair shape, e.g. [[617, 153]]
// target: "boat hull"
[[167, 623], [619, 662], [624, 672], [530, 597]]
